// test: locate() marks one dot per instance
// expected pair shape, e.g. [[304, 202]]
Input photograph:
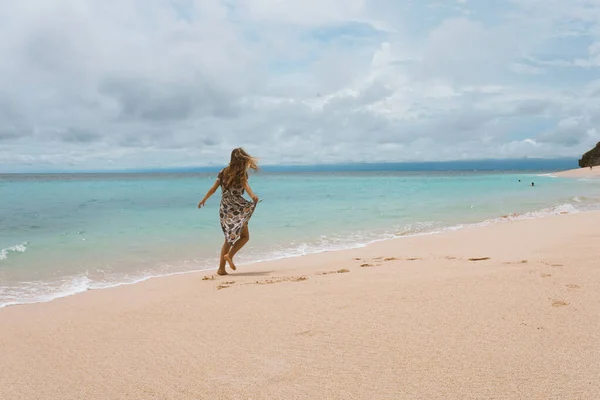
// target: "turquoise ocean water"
[[63, 234]]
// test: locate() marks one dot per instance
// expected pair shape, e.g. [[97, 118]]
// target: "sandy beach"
[[508, 311], [580, 173]]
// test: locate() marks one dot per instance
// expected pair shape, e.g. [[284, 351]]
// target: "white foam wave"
[[19, 248], [40, 292], [557, 210], [561, 209], [548, 175]]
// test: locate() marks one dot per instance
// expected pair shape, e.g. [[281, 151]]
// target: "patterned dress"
[[235, 211]]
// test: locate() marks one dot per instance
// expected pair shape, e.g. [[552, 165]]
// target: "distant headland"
[[591, 158]]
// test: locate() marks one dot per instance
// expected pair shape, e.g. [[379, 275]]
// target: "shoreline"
[[579, 173], [76, 277], [537, 214], [403, 319]]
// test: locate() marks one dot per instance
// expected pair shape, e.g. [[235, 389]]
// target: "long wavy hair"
[[236, 172]]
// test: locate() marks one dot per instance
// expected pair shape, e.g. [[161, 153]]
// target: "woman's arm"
[[210, 192], [248, 189]]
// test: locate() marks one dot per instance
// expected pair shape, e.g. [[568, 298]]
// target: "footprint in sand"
[[281, 279], [209, 278], [572, 286], [515, 262], [386, 259], [479, 258], [339, 271], [546, 275], [559, 303], [551, 265], [225, 285], [306, 333], [366, 265]]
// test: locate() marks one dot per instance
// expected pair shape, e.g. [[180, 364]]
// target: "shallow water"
[[62, 234]]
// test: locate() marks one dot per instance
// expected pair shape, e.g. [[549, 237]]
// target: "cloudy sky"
[[90, 84]]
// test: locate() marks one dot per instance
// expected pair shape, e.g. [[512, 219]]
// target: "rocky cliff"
[[591, 158]]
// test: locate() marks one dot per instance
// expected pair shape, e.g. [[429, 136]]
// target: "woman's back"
[[232, 183]]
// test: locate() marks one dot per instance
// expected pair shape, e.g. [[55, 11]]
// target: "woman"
[[235, 211]]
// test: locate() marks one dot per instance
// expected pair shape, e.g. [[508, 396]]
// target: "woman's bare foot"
[[222, 272], [229, 261]]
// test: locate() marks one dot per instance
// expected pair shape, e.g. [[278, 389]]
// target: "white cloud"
[[87, 84], [525, 69], [304, 13]]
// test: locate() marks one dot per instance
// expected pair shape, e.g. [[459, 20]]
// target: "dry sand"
[[580, 173], [510, 311]]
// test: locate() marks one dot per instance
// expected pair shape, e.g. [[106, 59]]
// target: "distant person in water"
[[532, 184], [235, 211]]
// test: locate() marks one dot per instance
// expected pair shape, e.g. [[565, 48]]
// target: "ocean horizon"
[[514, 164]]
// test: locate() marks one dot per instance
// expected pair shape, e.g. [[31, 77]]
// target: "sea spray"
[[19, 248]]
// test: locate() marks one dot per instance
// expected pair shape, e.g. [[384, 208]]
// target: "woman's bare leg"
[[224, 250], [244, 238]]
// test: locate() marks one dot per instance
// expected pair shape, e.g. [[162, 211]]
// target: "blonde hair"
[[236, 172]]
